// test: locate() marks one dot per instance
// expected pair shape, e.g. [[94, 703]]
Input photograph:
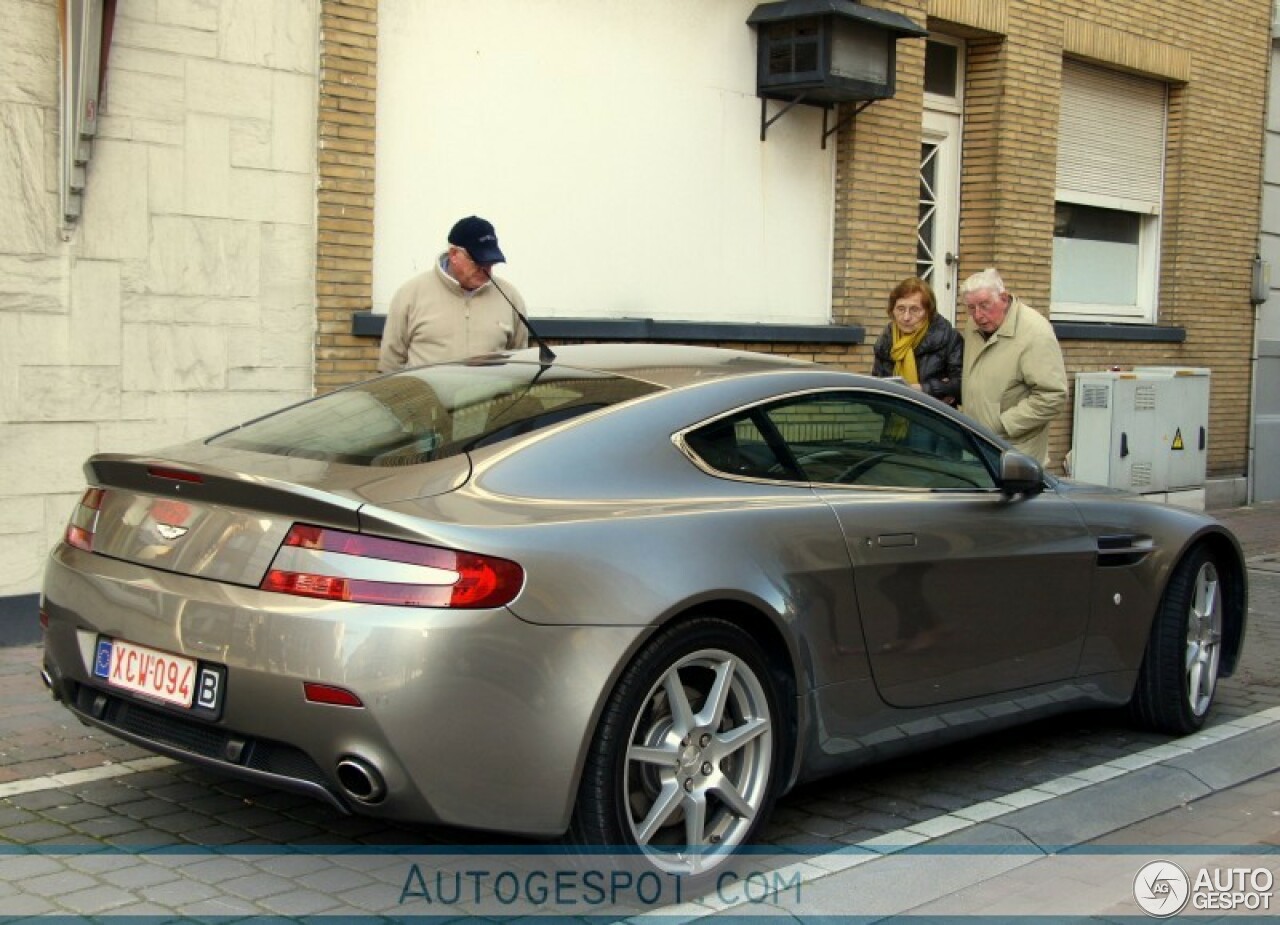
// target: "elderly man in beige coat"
[[456, 308], [1015, 381]]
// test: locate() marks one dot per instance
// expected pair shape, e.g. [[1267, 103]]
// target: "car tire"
[[1179, 673], [682, 769]]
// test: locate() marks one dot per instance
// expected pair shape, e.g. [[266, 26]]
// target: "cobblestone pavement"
[[79, 810]]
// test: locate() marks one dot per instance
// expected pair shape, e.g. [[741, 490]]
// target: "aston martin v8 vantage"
[[628, 597]]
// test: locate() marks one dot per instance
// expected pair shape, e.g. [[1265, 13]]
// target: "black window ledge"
[[1097, 330], [369, 324]]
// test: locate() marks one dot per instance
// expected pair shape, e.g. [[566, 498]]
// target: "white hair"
[[987, 279]]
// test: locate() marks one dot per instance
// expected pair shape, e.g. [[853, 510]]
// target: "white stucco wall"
[[616, 147], [184, 301]]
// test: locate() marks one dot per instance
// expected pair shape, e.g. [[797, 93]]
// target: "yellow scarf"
[[903, 353]]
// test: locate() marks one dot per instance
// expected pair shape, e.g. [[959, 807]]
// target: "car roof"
[[666, 365]]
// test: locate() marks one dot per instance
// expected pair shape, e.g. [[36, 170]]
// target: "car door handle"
[[896, 539]]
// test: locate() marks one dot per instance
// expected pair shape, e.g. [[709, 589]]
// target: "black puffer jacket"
[[939, 359]]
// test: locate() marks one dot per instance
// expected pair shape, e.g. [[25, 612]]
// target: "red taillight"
[[84, 519], [339, 566]]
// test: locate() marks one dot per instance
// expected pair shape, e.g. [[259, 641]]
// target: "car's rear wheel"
[[1179, 674], [684, 760]]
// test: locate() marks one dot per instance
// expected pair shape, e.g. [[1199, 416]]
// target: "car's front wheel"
[[684, 760], [1180, 668]]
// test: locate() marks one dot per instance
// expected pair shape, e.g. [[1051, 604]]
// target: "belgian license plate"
[[163, 676]]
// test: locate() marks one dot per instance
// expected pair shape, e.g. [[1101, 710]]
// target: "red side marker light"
[[327, 693]]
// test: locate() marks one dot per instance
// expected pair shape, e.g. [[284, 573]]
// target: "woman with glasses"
[[919, 345]]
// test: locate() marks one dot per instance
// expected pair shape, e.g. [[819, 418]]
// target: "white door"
[[938, 227]]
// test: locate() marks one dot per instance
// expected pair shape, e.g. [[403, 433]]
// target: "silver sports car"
[[631, 595]]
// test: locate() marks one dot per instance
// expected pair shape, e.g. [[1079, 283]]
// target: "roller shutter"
[[1111, 139]]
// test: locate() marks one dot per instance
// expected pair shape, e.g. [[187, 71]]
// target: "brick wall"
[[344, 246]]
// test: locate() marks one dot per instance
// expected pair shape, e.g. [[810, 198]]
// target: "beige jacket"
[[1015, 382], [433, 319]]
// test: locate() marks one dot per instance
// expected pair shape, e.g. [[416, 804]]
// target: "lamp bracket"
[[764, 108], [843, 122], [766, 120]]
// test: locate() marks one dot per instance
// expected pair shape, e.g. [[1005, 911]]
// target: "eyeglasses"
[[985, 307], [904, 311]]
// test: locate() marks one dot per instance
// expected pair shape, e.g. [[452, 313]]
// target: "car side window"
[[864, 439], [736, 446]]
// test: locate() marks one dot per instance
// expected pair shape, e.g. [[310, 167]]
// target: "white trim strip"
[[74, 778]]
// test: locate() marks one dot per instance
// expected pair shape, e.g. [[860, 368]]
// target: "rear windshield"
[[432, 413]]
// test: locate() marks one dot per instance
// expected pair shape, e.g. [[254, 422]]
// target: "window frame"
[[1096, 97], [986, 452]]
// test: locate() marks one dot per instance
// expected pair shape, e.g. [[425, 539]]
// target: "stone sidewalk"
[[1208, 804]]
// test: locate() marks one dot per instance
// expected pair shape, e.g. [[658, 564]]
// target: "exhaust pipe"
[[45, 677], [361, 781]]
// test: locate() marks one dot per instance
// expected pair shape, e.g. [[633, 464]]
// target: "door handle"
[[951, 259], [896, 539]]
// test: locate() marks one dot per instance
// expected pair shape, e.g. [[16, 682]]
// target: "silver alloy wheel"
[[698, 761], [1204, 639]]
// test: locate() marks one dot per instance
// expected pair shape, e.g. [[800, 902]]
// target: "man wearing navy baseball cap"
[[455, 309]]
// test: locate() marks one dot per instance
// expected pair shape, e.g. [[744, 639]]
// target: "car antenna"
[[546, 356]]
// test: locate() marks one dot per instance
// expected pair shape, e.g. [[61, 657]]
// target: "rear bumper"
[[470, 718]]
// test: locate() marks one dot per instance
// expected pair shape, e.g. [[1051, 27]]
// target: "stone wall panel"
[[21, 560], [222, 89], [69, 393], [132, 31], [34, 284], [174, 358], [27, 208], [198, 256], [94, 328], [28, 61], [40, 459], [18, 514], [206, 154], [116, 213]]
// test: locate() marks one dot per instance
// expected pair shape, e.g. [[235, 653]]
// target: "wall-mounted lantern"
[[826, 52]]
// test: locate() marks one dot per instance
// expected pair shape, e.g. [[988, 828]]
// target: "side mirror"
[[1020, 474]]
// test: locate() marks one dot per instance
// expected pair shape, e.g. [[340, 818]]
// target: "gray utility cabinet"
[[1144, 430]]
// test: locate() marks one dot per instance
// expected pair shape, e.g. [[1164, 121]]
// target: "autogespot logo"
[[1161, 889]]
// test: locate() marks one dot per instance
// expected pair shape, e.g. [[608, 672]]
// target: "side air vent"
[[1123, 549]]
